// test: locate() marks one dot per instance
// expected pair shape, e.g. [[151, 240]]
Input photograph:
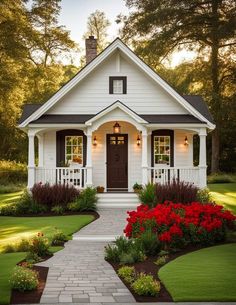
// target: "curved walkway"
[[79, 273]]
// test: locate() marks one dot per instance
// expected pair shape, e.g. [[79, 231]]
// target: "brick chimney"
[[91, 48]]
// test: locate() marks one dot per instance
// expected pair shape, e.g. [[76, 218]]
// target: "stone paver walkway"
[[79, 273]]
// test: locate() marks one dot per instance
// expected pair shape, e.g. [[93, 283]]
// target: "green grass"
[[15, 228], [12, 229], [7, 263], [9, 198], [224, 194], [205, 275]]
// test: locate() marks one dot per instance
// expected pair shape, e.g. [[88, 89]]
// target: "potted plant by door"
[[137, 187], [100, 189]]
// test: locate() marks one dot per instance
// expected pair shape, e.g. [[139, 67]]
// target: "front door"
[[117, 162]]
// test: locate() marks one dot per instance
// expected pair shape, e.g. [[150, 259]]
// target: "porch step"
[[118, 200]]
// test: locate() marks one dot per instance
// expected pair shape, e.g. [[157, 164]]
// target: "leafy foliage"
[[176, 191], [146, 285], [24, 279], [147, 195], [40, 245], [127, 273], [86, 201]]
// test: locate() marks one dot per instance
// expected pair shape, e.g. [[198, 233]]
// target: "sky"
[[74, 15]]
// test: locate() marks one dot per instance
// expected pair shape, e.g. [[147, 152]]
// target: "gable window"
[[74, 149], [118, 85]]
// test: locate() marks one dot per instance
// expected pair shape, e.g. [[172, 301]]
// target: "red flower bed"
[[177, 224]]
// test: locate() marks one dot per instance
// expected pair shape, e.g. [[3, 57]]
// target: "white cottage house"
[[115, 123]]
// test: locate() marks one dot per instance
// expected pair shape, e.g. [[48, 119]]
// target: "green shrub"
[[204, 196], [26, 205], [58, 210], [40, 245], [149, 243], [87, 200], [137, 187], [9, 248], [112, 253], [23, 245], [127, 274], [33, 258], [11, 188], [73, 206], [58, 238], [146, 285], [148, 195], [220, 178], [8, 210], [134, 255], [126, 258], [123, 244], [24, 279], [12, 172], [161, 260]]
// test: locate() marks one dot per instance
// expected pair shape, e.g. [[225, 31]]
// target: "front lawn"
[[224, 194], [14, 228], [205, 275], [7, 263]]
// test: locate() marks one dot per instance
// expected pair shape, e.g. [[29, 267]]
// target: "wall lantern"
[[138, 140], [116, 128], [186, 141], [95, 142]]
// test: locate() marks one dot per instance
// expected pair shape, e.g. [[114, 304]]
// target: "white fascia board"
[[113, 46], [136, 117], [48, 126]]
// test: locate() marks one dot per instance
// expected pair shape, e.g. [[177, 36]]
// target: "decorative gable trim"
[[112, 107], [116, 44]]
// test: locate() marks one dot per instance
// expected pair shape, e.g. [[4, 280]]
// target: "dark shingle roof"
[[170, 118]]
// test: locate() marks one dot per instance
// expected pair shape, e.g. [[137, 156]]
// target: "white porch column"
[[89, 181], [144, 157], [31, 159], [41, 150], [202, 158]]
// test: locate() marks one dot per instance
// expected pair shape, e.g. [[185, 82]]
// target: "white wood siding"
[[50, 149], [143, 96], [183, 153]]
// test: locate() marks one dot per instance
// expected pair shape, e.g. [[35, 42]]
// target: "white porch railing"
[[167, 174], [62, 175]]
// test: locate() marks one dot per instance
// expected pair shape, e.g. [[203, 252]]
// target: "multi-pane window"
[[117, 86], [74, 149], [162, 150]]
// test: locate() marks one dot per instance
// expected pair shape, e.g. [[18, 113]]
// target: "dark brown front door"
[[117, 162]]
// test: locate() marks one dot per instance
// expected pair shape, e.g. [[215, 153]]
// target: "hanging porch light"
[[116, 128]]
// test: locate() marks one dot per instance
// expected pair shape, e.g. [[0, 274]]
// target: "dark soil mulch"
[[47, 214], [31, 297], [149, 267]]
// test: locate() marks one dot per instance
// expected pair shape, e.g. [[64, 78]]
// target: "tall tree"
[[97, 26], [158, 28]]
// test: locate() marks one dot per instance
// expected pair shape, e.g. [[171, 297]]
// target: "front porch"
[[146, 158]]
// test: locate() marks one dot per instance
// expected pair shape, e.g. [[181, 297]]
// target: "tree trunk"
[[216, 102]]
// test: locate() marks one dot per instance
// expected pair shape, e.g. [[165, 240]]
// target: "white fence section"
[[167, 174], [62, 175]]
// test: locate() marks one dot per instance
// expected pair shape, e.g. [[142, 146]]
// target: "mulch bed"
[[149, 267], [31, 297]]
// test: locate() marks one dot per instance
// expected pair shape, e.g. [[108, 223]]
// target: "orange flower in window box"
[[77, 160]]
